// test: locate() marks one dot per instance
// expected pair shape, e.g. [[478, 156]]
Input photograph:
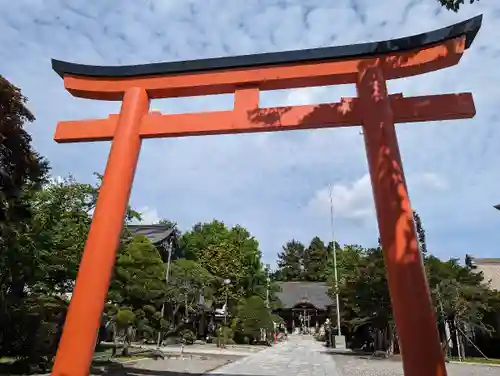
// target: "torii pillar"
[[368, 66]]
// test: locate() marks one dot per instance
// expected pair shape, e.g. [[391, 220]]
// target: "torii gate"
[[367, 65]]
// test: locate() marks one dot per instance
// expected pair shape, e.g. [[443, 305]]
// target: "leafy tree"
[[252, 316], [21, 168], [188, 282], [349, 260], [229, 254], [454, 5], [61, 221], [420, 232], [22, 173], [315, 261], [290, 261], [31, 332], [139, 277], [365, 294]]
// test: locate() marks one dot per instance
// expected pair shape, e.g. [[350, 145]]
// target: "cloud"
[[267, 181], [353, 201], [149, 216], [432, 181]]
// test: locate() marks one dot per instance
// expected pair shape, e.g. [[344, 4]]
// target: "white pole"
[[167, 272], [334, 259]]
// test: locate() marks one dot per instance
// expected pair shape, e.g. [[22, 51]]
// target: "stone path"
[[299, 356]]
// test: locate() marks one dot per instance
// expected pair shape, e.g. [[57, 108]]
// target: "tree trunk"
[[390, 339], [115, 337]]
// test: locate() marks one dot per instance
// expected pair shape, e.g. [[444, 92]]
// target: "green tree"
[[61, 221], [420, 232], [188, 282], [21, 168], [315, 261], [228, 254], [22, 173], [454, 5], [349, 260], [290, 262], [252, 316], [139, 275], [364, 294]]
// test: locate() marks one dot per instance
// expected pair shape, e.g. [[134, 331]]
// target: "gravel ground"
[[358, 366], [195, 365]]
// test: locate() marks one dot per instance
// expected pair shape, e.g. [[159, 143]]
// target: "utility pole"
[[334, 260], [168, 246], [268, 280], [445, 323]]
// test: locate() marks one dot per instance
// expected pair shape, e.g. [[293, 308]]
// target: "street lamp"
[[226, 283], [334, 261]]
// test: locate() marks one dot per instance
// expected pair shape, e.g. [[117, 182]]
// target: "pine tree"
[[420, 232], [290, 262], [315, 261]]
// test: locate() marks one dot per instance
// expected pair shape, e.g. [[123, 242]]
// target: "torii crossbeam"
[[368, 66]]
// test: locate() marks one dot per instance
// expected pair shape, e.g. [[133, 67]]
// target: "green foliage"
[[125, 317], [21, 169], [315, 260], [188, 281], [22, 173], [228, 254], [252, 316], [454, 5], [290, 261], [187, 336], [420, 232], [31, 328], [61, 221], [224, 336], [139, 277], [364, 293], [298, 263]]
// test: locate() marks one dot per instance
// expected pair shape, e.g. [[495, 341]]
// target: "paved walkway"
[[299, 356]]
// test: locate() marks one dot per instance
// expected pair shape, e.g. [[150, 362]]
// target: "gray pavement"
[[303, 356], [351, 365], [299, 356]]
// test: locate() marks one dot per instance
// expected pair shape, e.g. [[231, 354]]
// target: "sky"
[[274, 184]]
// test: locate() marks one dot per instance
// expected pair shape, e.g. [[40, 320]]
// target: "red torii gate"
[[367, 65]]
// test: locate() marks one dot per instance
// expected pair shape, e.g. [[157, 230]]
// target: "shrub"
[[30, 331], [252, 316], [125, 317], [224, 336], [187, 336]]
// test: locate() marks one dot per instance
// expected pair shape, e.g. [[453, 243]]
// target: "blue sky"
[[273, 184]]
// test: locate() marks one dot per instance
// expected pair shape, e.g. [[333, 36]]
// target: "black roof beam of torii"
[[468, 28]]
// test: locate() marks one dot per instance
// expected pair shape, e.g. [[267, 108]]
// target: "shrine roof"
[[490, 267], [156, 234], [294, 293], [468, 28]]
